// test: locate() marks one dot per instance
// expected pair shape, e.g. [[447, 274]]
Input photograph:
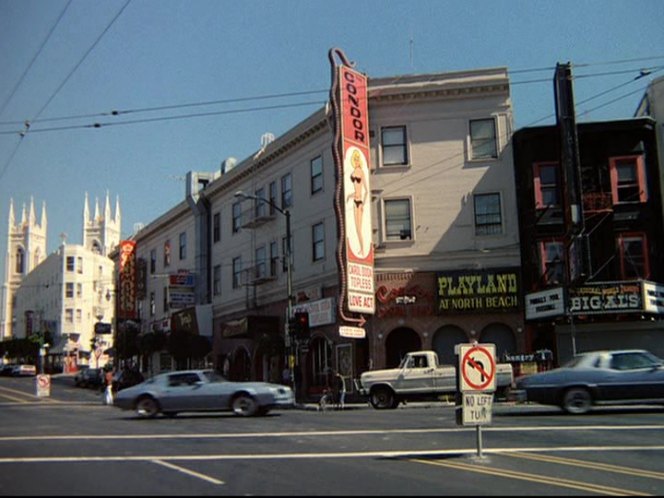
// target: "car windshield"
[[213, 376]]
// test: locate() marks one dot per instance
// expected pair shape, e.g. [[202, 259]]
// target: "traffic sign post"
[[43, 385], [476, 383]]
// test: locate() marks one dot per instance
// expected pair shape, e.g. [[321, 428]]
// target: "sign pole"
[[478, 438]]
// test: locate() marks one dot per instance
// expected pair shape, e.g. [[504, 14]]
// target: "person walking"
[[340, 387], [108, 392]]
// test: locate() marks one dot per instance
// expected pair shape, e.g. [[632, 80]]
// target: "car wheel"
[[577, 400], [383, 398], [147, 407], [244, 405]]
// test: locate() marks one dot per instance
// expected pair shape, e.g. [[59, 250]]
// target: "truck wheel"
[[383, 398]]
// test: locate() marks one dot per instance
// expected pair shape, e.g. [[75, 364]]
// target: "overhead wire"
[[85, 55]]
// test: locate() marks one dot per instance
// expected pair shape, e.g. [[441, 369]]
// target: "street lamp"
[[289, 275]]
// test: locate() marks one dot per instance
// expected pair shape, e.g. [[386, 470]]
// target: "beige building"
[[67, 292], [444, 230]]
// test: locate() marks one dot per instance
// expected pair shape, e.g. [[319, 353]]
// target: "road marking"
[[31, 398], [234, 435], [538, 478], [295, 456], [188, 472], [591, 465]]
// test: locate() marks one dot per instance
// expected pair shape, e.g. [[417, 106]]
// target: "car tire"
[[577, 400], [244, 405], [147, 407], [383, 398]]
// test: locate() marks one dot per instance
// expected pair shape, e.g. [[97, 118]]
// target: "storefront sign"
[[321, 312], [405, 294], [548, 303], [653, 297], [127, 292], [606, 297], [478, 291]]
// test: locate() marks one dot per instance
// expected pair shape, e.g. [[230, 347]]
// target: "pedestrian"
[[108, 392], [340, 386]]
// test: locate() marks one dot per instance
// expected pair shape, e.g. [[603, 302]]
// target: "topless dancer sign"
[[356, 191]]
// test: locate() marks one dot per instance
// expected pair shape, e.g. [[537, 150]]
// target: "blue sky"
[[140, 55]]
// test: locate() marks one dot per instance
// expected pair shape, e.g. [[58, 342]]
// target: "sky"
[[197, 81]]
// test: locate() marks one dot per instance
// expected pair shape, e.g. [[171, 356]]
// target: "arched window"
[[20, 261]]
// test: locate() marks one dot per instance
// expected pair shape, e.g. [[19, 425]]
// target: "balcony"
[[259, 274], [597, 202], [254, 218]]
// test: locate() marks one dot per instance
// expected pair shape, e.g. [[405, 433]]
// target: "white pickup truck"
[[419, 377]]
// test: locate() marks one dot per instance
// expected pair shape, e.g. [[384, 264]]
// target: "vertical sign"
[[127, 295], [356, 192]]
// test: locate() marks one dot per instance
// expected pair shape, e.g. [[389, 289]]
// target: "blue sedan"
[[201, 390], [599, 377]]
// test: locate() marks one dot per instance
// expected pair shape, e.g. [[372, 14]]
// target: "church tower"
[[101, 233], [26, 248]]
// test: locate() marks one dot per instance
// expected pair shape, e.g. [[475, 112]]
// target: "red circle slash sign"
[[473, 363]]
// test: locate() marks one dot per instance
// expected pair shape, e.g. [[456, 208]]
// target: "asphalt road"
[[69, 443]]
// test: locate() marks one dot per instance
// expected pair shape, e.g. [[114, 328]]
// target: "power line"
[[39, 51]]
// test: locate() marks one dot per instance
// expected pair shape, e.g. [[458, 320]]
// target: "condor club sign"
[[354, 208], [478, 291]]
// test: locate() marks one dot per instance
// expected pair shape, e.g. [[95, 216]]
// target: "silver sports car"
[[599, 377], [201, 390]]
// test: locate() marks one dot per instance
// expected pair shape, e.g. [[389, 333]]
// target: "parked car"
[[91, 377], [6, 370], [79, 375], [201, 390], [598, 377], [126, 378], [24, 371]]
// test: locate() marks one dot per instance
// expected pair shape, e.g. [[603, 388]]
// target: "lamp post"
[[289, 276]]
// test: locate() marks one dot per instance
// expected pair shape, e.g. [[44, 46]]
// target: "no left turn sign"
[[477, 367]]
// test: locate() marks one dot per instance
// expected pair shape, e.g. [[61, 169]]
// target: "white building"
[[443, 211], [67, 292]]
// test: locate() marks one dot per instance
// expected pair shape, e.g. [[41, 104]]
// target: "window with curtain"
[[483, 139], [398, 221], [394, 145]]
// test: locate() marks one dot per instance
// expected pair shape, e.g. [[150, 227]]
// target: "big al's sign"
[[355, 190], [127, 292], [606, 297], [472, 291]]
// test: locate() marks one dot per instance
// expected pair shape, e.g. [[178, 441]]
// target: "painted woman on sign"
[[358, 196]]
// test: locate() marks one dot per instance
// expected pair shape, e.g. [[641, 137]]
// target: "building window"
[[546, 178], [633, 256], [79, 315], [69, 315], [152, 304], [552, 261], [286, 191], [317, 174], [79, 290], [79, 265], [488, 218], [628, 179], [153, 261], [167, 253], [69, 290], [394, 145], [318, 241], [260, 207], [216, 227], [216, 280], [483, 139], [183, 246], [237, 272], [20, 261], [273, 196], [237, 216], [165, 299], [398, 220], [261, 262], [274, 258], [71, 263]]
